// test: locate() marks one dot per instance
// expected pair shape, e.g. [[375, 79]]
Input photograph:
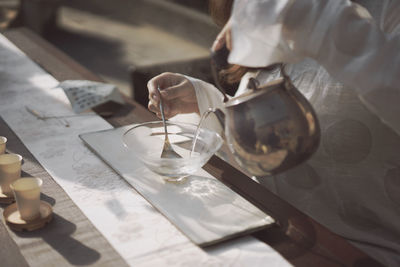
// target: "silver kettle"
[[270, 128]]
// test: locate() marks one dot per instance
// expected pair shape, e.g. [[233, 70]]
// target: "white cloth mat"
[[203, 208]]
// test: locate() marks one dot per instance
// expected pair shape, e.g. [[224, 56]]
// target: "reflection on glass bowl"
[[145, 142]]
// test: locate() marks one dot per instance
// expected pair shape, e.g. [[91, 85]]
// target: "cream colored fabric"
[[359, 51], [352, 183]]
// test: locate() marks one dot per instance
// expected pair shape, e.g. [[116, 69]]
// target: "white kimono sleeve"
[[340, 35], [208, 96]]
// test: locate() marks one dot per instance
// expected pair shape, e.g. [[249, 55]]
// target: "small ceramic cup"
[[27, 195], [3, 142], [10, 170]]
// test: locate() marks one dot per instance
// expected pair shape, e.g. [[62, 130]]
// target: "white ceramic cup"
[[10, 170], [27, 194], [3, 142]]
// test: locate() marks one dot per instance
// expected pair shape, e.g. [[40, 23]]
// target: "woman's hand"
[[177, 93], [223, 38]]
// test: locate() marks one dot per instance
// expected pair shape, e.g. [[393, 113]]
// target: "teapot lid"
[[256, 91]]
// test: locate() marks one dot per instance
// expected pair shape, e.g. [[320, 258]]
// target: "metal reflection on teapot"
[[270, 128]]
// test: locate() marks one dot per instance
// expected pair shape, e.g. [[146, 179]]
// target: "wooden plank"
[[300, 239], [10, 254], [45, 54]]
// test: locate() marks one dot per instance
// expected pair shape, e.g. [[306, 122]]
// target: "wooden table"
[[71, 239]]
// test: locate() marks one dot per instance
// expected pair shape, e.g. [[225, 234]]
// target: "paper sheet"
[[83, 94], [141, 235]]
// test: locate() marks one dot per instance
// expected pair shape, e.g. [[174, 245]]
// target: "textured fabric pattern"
[[352, 183], [359, 50]]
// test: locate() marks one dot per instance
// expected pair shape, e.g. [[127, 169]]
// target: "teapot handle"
[[287, 81], [254, 84]]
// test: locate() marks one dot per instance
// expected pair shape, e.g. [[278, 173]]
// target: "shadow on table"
[[86, 49], [48, 199], [58, 235]]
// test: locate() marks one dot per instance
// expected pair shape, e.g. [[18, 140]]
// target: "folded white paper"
[[83, 94]]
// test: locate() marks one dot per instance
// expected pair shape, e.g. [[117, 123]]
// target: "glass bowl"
[[145, 141]]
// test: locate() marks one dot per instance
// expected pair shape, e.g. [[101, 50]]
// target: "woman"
[[347, 63]]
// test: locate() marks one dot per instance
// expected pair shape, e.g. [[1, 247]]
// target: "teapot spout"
[[219, 126], [220, 116]]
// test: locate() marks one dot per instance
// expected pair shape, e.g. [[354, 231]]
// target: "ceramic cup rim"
[[38, 185], [3, 140], [9, 157]]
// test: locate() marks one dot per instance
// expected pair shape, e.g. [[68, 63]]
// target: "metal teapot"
[[270, 128]]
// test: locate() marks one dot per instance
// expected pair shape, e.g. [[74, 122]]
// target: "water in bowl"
[[145, 141]]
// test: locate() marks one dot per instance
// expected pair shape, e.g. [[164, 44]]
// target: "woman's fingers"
[[177, 94], [178, 107], [183, 90], [153, 108], [218, 44], [228, 39], [163, 80], [153, 98], [223, 38]]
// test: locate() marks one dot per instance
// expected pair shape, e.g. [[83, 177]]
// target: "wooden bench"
[[38, 15]]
